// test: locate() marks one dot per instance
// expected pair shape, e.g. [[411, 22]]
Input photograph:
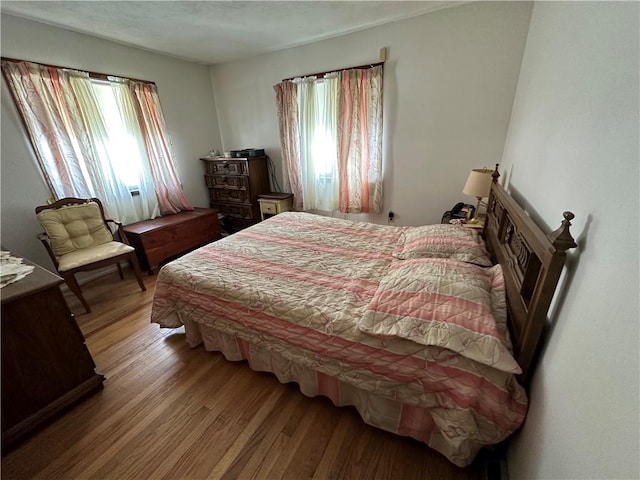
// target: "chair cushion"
[[74, 227], [86, 256]]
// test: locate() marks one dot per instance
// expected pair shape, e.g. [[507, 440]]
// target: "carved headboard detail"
[[531, 261]]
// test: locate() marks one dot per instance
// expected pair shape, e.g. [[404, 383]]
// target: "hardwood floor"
[[168, 411]]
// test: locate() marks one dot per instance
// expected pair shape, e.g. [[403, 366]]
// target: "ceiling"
[[211, 32]]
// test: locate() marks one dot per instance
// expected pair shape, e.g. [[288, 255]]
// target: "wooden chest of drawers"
[[46, 366], [234, 185], [165, 237]]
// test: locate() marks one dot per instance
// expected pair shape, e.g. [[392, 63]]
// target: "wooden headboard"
[[531, 261]]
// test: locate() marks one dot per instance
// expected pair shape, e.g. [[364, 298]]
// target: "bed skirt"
[[428, 425]]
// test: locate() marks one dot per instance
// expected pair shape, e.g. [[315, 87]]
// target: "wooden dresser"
[[234, 185], [164, 238], [46, 365]]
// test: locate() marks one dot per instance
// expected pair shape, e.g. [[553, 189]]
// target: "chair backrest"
[[73, 224]]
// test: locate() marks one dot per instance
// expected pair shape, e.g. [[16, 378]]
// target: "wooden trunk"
[[166, 237]]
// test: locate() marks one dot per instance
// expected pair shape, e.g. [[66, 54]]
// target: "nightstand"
[[275, 203], [446, 217]]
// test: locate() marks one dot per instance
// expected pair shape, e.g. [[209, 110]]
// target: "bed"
[[429, 332]]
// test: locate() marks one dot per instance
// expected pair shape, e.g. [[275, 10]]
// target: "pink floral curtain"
[[53, 122], [360, 140], [168, 188], [287, 102]]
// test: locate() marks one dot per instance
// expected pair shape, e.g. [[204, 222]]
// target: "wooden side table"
[[275, 203]]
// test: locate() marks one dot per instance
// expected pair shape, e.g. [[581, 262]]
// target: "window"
[[317, 107], [324, 146], [123, 153], [102, 139], [331, 138]]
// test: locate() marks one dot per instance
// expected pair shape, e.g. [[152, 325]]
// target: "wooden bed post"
[[496, 174], [561, 238]]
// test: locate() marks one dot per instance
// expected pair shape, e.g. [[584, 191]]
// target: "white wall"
[[573, 144], [448, 91], [187, 103]]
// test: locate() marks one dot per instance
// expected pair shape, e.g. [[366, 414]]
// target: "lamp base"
[[475, 219]]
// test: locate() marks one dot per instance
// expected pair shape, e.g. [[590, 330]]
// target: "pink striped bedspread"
[[287, 295]]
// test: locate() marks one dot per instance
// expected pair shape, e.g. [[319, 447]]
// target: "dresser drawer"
[[227, 167], [269, 207], [223, 195], [227, 181], [234, 211]]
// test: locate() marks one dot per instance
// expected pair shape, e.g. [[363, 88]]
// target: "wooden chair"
[[78, 238]]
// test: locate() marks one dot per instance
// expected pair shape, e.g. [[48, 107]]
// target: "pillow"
[[499, 305], [74, 227], [445, 303], [442, 241]]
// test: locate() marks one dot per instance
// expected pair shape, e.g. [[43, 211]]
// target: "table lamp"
[[478, 185]]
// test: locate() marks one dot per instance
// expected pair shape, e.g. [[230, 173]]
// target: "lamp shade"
[[478, 183]]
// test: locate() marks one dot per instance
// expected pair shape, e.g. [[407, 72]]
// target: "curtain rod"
[[96, 75], [322, 74]]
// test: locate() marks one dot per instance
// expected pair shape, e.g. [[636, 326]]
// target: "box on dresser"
[[234, 185]]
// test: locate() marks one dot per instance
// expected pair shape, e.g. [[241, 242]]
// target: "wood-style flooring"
[[168, 411]]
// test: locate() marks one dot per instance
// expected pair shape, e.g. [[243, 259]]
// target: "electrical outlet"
[[391, 215]]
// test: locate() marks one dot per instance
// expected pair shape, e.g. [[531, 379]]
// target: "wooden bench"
[[164, 238]]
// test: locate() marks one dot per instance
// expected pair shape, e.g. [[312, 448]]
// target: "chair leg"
[[120, 271], [71, 281], [133, 261]]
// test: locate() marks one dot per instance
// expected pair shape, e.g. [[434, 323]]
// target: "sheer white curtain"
[[113, 162], [317, 110], [129, 139]]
